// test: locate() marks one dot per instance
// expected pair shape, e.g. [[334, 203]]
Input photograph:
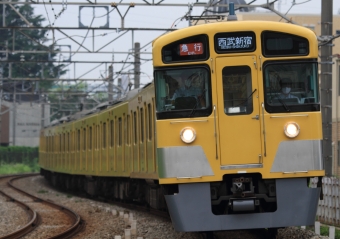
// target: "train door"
[[83, 152], [238, 112]]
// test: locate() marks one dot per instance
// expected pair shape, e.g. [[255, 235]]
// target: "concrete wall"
[[4, 132], [27, 121]]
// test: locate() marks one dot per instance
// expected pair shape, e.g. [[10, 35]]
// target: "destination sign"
[[191, 49], [234, 42]]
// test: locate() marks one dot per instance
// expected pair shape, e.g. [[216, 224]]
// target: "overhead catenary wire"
[[124, 66], [48, 17], [293, 4]]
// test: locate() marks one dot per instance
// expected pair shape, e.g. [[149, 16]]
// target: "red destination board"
[[191, 49]]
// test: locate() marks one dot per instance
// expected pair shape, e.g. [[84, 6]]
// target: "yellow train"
[[229, 132]]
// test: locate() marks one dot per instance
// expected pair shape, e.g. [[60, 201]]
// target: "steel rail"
[[78, 223], [30, 226], [34, 219]]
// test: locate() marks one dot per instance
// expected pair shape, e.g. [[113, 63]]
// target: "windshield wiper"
[[246, 99], [192, 112], [283, 103]]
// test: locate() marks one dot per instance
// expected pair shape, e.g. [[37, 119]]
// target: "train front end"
[[238, 125]]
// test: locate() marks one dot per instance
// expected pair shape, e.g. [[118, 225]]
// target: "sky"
[[137, 17]]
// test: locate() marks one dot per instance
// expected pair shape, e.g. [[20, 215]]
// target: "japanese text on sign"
[[235, 42], [191, 49]]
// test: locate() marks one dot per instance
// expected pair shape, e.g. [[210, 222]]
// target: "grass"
[[30, 167], [16, 168], [42, 191], [324, 231]]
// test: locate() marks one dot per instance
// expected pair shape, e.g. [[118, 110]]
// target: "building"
[[4, 119], [23, 123]]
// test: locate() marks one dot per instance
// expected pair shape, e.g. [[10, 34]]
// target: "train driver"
[[188, 88], [286, 87]]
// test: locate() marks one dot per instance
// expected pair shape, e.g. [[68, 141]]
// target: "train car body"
[[105, 143], [234, 162], [100, 150], [214, 134]]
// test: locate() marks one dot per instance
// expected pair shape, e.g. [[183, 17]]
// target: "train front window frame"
[[237, 90], [183, 92], [276, 44], [301, 79]]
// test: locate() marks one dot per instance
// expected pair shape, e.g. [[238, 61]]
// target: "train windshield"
[[183, 92], [291, 87]]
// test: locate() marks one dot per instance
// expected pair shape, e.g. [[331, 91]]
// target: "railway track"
[[45, 219], [100, 221], [251, 234]]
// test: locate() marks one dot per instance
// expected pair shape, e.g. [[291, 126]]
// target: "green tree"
[[70, 100], [32, 65]]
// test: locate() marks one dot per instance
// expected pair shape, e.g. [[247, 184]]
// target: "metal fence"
[[329, 208], [18, 157]]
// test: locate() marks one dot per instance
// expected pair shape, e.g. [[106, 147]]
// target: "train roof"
[[102, 106]]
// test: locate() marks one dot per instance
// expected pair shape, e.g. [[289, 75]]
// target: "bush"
[[18, 159], [18, 154]]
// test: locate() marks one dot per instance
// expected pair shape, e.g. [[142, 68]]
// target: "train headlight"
[[188, 135], [292, 129]]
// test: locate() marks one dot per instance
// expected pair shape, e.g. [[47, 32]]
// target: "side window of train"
[[84, 139], [237, 90], [90, 139], [141, 125], [66, 142], [135, 127], [53, 145], [149, 122], [78, 140], [112, 133], [59, 143], [128, 125], [120, 131], [104, 135], [97, 136], [94, 136]]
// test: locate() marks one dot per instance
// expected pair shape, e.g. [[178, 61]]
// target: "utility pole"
[[1, 76], [14, 115], [326, 82], [2, 71], [137, 65], [120, 87], [110, 86], [42, 103]]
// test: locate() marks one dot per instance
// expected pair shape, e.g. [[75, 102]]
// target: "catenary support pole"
[[326, 82], [110, 86], [137, 65]]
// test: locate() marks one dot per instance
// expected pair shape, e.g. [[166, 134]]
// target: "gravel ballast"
[[101, 222]]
